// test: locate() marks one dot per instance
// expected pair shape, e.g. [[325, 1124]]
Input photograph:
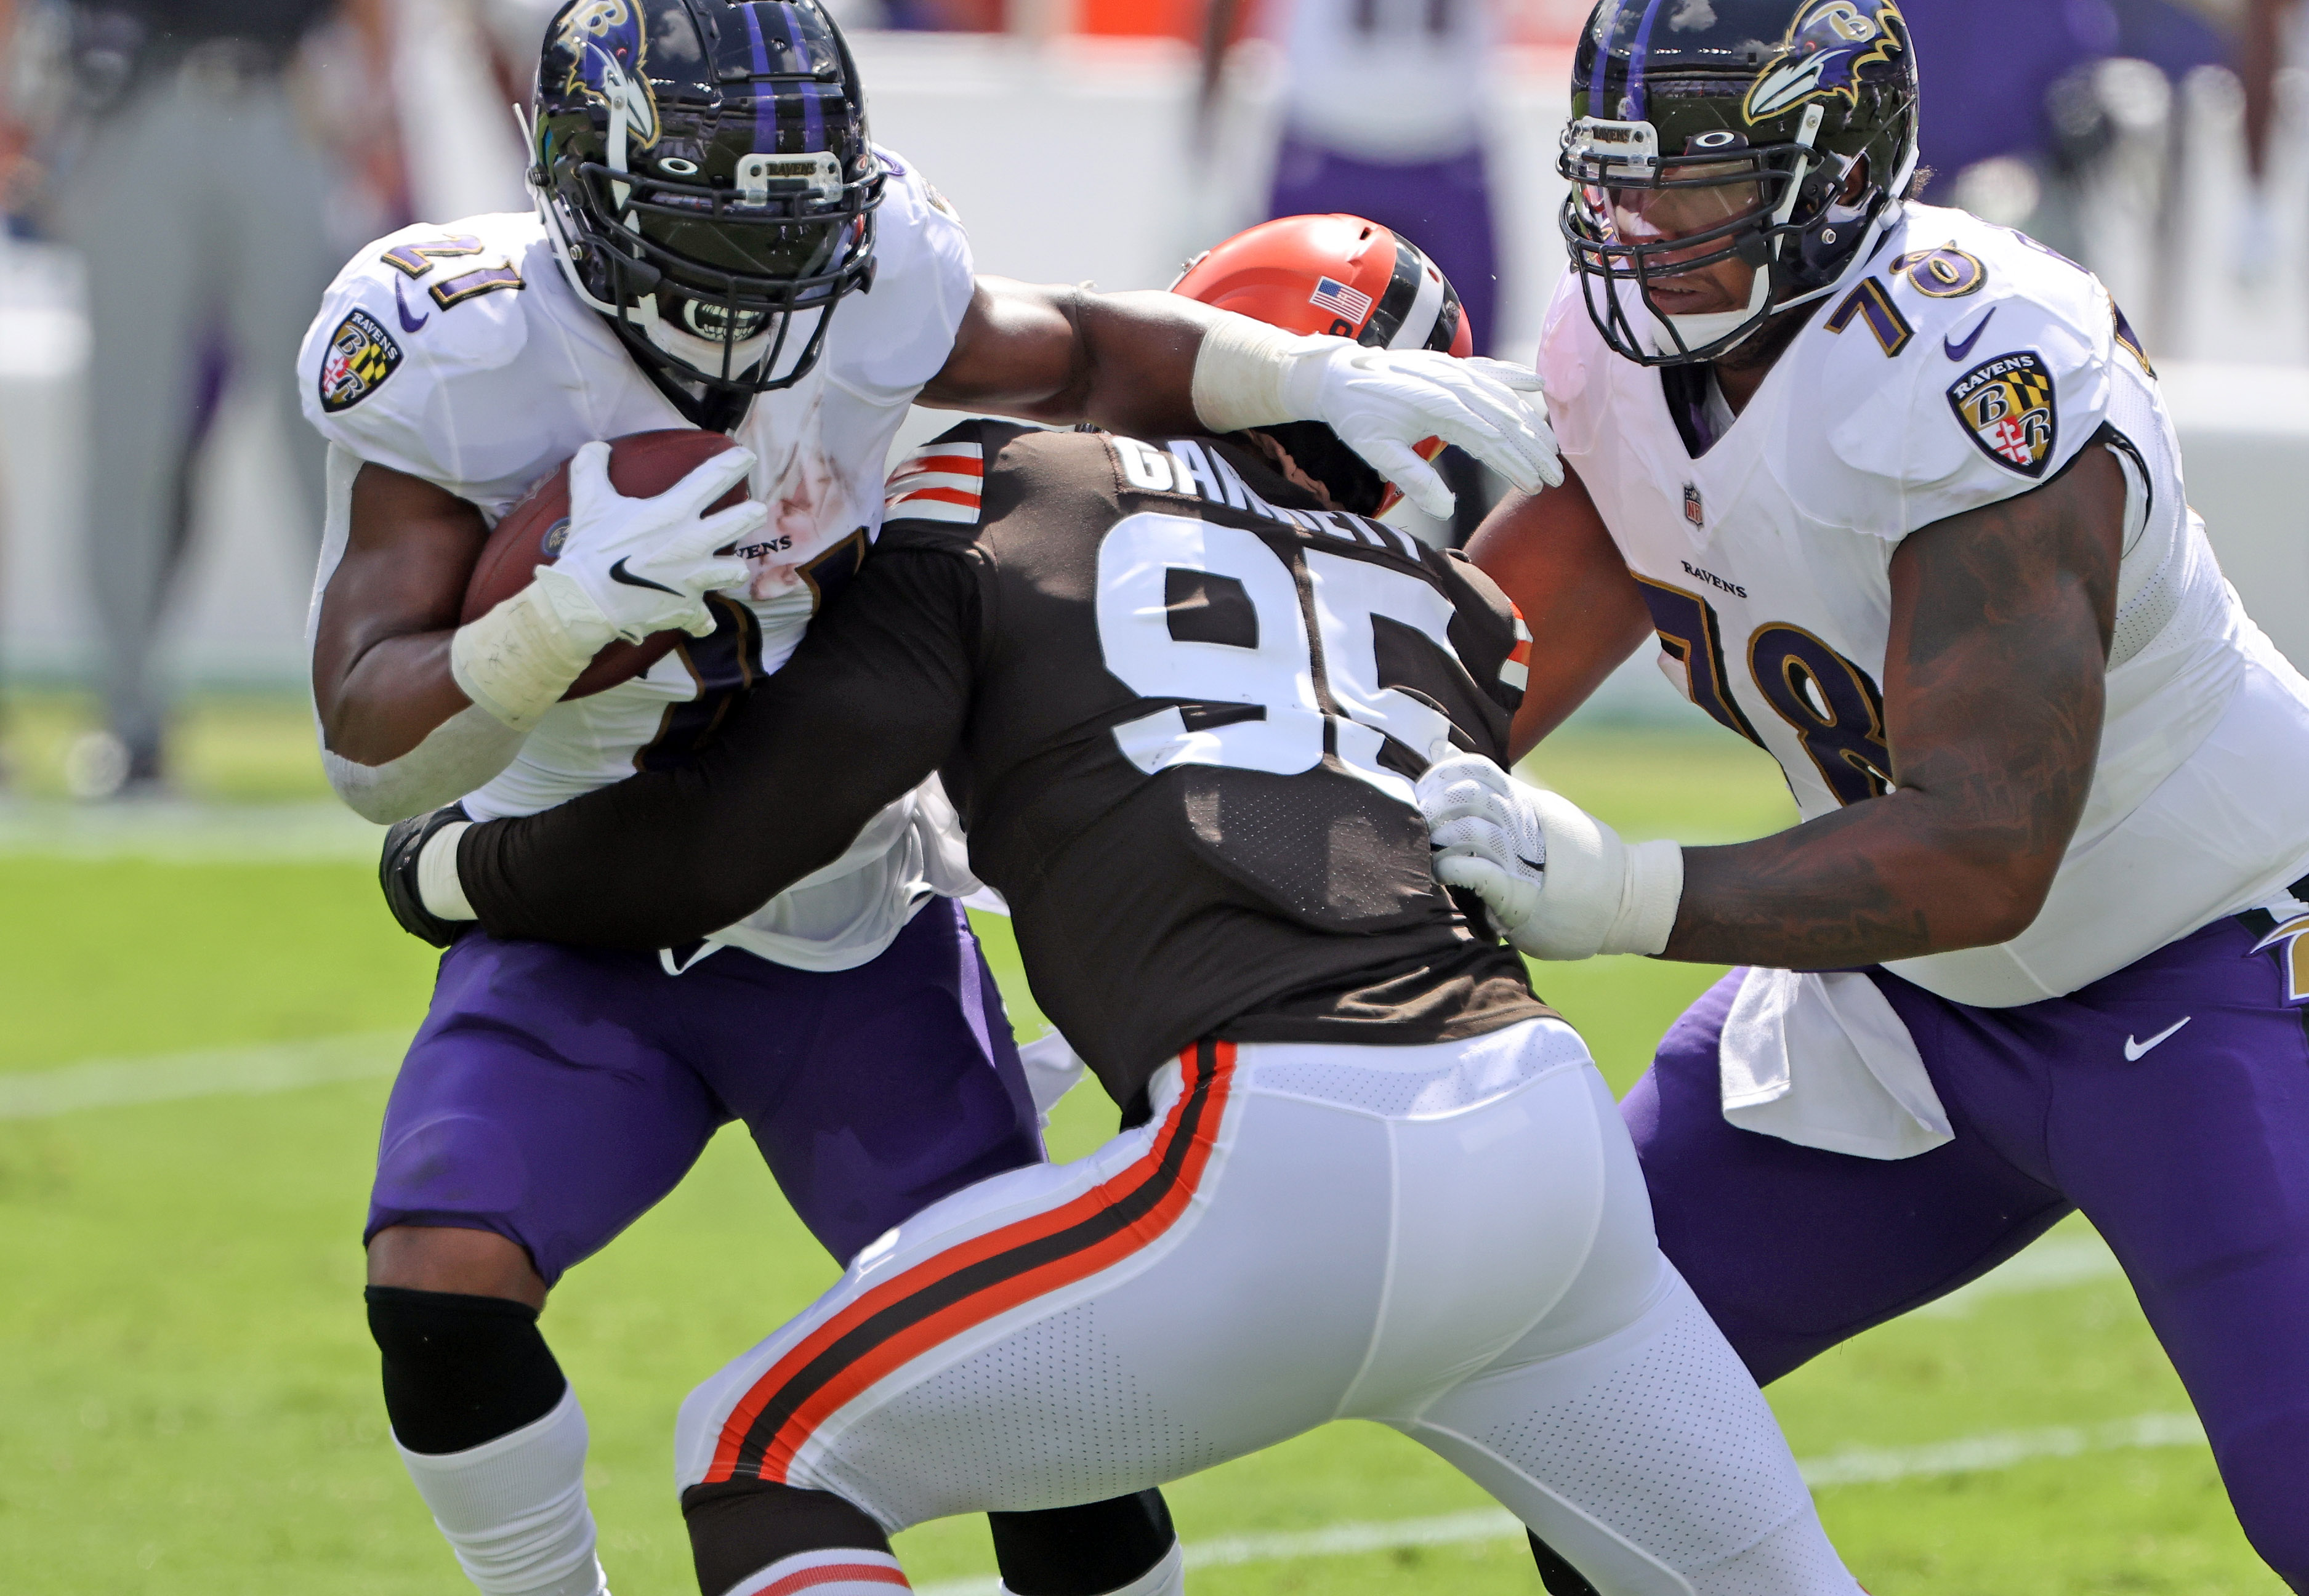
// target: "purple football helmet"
[[704, 169], [1707, 131]]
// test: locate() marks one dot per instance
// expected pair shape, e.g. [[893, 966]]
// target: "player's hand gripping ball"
[[643, 526]]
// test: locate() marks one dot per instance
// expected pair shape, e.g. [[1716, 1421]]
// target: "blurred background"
[[2163, 142], [204, 1002]]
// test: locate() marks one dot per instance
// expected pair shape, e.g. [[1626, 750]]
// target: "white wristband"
[[438, 886], [1650, 893], [517, 660], [1241, 371]]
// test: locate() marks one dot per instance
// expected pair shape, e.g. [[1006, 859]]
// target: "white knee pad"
[[514, 1509]]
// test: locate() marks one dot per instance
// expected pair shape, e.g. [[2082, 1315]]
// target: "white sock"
[[1166, 1578], [838, 1571], [514, 1509]]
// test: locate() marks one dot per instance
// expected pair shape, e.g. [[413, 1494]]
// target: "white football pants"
[[1451, 1239]]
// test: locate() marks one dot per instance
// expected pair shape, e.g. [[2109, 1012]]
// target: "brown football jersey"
[[1181, 709]]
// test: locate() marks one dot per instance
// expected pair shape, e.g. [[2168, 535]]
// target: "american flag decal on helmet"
[[939, 484], [1340, 300], [1515, 670]]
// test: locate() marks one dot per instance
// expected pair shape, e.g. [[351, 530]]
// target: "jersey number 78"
[[1830, 703]]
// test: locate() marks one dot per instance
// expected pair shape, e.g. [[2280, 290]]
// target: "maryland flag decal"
[[2007, 405], [361, 355]]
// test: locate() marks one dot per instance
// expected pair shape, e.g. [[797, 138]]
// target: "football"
[[642, 464]]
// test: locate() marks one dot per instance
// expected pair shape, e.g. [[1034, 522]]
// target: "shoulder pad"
[[409, 318], [1967, 366]]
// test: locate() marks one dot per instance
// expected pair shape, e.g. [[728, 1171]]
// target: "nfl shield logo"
[[1693, 510]]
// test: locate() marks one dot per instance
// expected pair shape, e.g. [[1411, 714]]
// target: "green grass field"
[[188, 1397]]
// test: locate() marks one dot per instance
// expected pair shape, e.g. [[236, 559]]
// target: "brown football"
[[642, 465]]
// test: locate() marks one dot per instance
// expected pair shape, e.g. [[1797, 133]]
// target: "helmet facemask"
[[717, 260], [1633, 221], [731, 285], [1794, 171]]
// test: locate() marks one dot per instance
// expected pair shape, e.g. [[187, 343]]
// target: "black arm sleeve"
[[868, 706]]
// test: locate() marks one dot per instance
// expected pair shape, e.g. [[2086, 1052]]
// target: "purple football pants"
[[554, 1094], [1443, 206], [2192, 1159]]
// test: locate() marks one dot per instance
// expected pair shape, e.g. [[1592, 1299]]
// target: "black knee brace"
[[741, 1525], [1081, 1551], [1559, 1577], [460, 1370]]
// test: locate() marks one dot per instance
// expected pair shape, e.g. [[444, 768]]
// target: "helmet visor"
[[779, 251], [775, 237], [1673, 215], [1692, 199]]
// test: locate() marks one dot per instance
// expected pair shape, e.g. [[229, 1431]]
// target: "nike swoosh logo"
[[2133, 1050], [618, 572], [1958, 351], [408, 325]]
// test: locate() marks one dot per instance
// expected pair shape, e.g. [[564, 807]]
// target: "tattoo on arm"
[[1995, 687]]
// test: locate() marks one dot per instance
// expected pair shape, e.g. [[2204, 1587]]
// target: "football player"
[[1896, 492], [711, 218], [1181, 691]]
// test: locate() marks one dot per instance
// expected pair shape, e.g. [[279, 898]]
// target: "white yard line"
[[1974, 1455], [2056, 1261], [283, 1066], [1852, 1466], [187, 831]]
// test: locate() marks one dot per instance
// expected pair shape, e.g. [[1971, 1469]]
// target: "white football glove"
[[1380, 403], [646, 564], [1557, 881], [629, 567]]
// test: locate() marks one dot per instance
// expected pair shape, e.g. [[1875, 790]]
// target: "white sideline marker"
[[1857, 1465]]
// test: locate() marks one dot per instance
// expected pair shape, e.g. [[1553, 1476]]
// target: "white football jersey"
[[1969, 365], [460, 354]]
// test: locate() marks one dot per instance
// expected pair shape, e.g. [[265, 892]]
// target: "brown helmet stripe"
[[1447, 321], [1402, 294]]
